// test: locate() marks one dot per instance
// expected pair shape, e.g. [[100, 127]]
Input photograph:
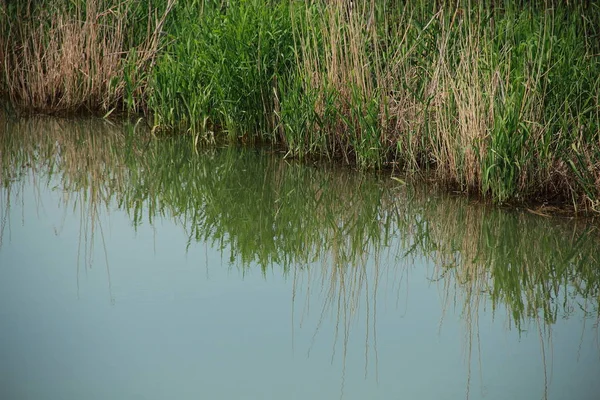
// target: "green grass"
[[495, 98], [220, 69]]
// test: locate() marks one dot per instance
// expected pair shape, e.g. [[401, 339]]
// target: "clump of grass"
[[67, 56], [507, 109], [339, 64], [221, 66]]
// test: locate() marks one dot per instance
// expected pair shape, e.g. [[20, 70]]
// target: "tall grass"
[[495, 98], [60, 56], [221, 67]]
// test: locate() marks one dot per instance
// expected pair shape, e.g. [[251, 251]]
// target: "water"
[[133, 268]]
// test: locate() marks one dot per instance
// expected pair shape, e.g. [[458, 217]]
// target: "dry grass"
[[340, 62], [62, 58]]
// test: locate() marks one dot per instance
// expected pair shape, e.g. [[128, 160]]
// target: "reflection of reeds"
[[486, 256], [502, 255], [346, 291], [78, 154], [342, 236], [296, 214]]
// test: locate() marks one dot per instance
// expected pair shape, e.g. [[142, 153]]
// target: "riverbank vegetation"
[[495, 98]]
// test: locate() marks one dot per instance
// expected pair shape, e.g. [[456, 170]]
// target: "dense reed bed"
[[496, 98]]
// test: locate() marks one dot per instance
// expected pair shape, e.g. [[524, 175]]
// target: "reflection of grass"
[[267, 211], [341, 235], [538, 269], [261, 210], [534, 265], [47, 148]]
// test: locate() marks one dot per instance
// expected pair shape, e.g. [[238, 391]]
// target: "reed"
[[496, 98], [220, 69], [500, 101], [79, 55]]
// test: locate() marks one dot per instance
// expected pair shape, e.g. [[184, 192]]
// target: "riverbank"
[[496, 100]]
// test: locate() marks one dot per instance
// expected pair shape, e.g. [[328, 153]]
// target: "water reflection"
[[349, 242]]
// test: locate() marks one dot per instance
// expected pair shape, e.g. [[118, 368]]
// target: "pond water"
[[139, 268]]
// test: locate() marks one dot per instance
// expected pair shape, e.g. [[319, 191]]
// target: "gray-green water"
[[133, 268]]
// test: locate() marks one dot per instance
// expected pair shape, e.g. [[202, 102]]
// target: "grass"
[[496, 98], [220, 69], [69, 56]]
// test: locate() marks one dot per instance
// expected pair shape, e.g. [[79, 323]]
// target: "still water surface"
[[136, 268]]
